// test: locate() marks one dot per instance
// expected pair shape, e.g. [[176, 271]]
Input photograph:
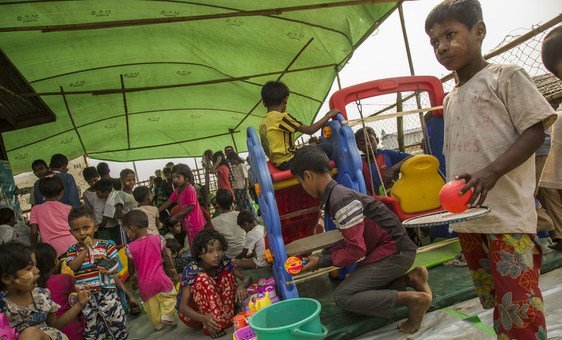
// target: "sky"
[[383, 54]]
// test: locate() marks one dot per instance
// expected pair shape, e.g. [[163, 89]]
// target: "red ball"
[[450, 198]]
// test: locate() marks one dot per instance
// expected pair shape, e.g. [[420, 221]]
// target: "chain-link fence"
[[520, 47]]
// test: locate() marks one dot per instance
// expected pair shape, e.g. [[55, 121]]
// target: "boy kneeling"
[[374, 239]]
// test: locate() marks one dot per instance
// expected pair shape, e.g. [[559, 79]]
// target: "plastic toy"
[[293, 265], [450, 198], [244, 333], [239, 321]]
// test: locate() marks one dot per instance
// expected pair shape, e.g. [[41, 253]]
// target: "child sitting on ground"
[[61, 287], [50, 218], [7, 222], [147, 251], [29, 308], [494, 122], [373, 238], [189, 212], [179, 256], [208, 285], [144, 196], [94, 263], [387, 161], [225, 223], [253, 254], [278, 127]]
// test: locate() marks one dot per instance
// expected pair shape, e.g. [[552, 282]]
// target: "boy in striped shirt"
[[104, 313]]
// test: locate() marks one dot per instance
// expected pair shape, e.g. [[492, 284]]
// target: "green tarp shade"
[[189, 85]]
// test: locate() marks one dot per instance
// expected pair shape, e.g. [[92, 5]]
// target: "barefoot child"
[[104, 313], [28, 307], [208, 285], [253, 254], [494, 122], [373, 238], [147, 251], [61, 287]]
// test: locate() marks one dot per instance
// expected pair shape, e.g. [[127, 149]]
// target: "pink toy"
[[257, 294], [245, 333], [7, 332]]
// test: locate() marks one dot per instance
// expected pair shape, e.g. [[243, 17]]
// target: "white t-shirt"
[[226, 224], [551, 176], [96, 204], [255, 243], [239, 174], [7, 234], [483, 118], [119, 197]]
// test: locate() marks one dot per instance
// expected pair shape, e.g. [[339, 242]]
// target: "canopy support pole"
[[136, 172], [413, 73], [72, 121], [126, 110], [231, 131]]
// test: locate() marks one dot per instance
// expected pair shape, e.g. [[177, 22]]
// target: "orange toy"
[[450, 198], [293, 265]]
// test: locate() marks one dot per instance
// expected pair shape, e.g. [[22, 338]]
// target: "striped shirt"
[[370, 230], [276, 134], [88, 274]]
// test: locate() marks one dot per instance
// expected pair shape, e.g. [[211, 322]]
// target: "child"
[[7, 222], [551, 177], [40, 169], [373, 238], [387, 161], [109, 225], [180, 257], [91, 200], [117, 204], [104, 313], [71, 194], [49, 218], [29, 308], [208, 285], [144, 196], [494, 122], [103, 170], [128, 180], [225, 223], [253, 254], [185, 196], [240, 184], [155, 288], [222, 170], [61, 287], [277, 126]]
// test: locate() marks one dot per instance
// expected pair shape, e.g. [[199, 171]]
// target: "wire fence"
[[519, 47]]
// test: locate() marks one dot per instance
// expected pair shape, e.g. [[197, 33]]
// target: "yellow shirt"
[[276, 134]]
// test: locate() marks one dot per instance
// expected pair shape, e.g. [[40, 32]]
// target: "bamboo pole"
[[400, 123]]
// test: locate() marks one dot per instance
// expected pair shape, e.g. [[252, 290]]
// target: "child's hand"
[[241, 294], [88, 242], [332, 113], [83, 297], [312, 263], [482, 181], [211, 324]]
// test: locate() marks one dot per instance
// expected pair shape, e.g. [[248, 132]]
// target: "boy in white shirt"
[[253, 255], [7, 222]]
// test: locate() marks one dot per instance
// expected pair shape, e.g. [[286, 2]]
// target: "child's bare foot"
[[417, 279], [418, 303]]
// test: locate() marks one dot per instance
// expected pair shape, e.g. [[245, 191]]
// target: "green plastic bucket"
[[290, 319]]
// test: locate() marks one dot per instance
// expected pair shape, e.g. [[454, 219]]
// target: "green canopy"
[[134, 80]]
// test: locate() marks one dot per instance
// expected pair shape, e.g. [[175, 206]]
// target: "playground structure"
[[290, 214]]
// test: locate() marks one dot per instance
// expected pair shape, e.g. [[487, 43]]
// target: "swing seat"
[[416, 192]]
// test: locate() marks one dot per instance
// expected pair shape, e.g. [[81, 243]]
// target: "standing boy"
[[373, 238], [277, 126], [494, 122]]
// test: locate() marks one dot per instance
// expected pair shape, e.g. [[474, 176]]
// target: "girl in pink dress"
[[185, 196], [155, 287], [60, 286]]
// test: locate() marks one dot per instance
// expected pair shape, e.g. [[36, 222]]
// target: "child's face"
[[82, 228], [93, 180], [362, 145], [178, 179], [175, 229], [128, 181], [102, 194], [25, 279], [248, 226], [455, 45], [308, 184], [213, 253], [40, 170]]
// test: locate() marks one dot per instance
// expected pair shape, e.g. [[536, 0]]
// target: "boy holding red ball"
[[494, 122]]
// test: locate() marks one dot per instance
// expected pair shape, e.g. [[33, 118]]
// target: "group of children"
[[494, 121]]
